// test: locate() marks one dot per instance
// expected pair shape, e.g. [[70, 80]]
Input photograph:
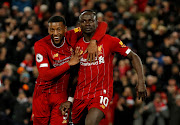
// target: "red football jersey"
[[52, 61], [96, 78]]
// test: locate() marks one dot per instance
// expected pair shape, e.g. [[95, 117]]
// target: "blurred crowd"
[[151, 28]]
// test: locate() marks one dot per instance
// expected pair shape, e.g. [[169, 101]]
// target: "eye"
[[59, 29], [91, 21], [83, 21], [52, 29]]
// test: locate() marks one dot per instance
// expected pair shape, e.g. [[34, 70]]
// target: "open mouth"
[[56, 38], [88, 29]]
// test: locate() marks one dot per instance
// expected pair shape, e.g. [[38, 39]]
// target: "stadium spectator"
[[157, 111], [150, 31]]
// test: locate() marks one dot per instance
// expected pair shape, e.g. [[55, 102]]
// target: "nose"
[[87, 23], [55, 32]]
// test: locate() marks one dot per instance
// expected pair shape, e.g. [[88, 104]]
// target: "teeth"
[[56, 37]]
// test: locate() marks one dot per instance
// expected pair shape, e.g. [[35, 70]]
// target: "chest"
[[104, 54], [103, 49], [59, 56]]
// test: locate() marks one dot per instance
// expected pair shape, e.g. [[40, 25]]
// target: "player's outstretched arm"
[[118, 46], [92, 48], [137, 65], [45, 72], [74, 35]]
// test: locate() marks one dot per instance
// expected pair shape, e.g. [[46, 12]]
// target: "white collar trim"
[[60, 45], [85, 40]]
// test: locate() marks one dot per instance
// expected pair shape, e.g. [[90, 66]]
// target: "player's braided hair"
[[57, 19], [91, 11]]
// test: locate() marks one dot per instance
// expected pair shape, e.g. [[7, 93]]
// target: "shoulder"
[[73, 31], [81, 40], [43, 42], [110, 38]]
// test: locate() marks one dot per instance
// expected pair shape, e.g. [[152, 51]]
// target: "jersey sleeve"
[[100, 31], [45, 72], [72, 36], [118, 46]]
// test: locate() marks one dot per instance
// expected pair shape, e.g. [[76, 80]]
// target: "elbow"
[[133, 56], [44, 77], [136, 57]]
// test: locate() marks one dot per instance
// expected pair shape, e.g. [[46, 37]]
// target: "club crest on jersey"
[[55, 55], [64, 121], [122, 44], [81, 52], [99, 49], [102, 106], [39, 58], [78, 29], [65, 118], [71, 49]]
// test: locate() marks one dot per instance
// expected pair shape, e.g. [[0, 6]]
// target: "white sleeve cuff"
[[43, 65], [128, 51], [71, 99]]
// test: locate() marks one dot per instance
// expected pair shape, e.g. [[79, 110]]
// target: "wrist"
[[71, 99], [140, 80], [93, 41], [69, 63]]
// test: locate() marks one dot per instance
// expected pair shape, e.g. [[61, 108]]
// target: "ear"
[[65, 28], [48, 30], [79, 24]]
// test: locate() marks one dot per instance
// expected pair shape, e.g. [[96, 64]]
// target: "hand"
[[141, 90], [92, 50], [75, 58], [65, 106], [26, 121]]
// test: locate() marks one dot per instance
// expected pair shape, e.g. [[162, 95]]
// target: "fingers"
[[93, 59], [77, 51], [142, 95], [97, 55], [66, 110], [85, 51], [90, 58], [80, 57], [62, 110]]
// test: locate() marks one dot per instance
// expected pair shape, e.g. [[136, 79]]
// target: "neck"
[[88, 37], [58, 44]]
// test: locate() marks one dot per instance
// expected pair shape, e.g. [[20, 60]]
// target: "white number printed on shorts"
[[104, 101]]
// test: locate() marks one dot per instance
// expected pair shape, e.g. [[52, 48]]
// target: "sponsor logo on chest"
[[85, 62], [59, 59]]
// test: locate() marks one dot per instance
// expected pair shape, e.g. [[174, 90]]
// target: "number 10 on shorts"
[[104, 100]]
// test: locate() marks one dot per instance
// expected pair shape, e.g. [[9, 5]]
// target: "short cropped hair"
[[57, 19], [91, 11]]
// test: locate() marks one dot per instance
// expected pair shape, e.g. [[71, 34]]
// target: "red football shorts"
[[46, 108], [79, 106]]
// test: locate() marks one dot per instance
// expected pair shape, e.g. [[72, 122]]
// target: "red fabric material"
[[141, 4], [52, 61], [95, 79], [79, 106], [109, 119], [46, 105], [52, 65]]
